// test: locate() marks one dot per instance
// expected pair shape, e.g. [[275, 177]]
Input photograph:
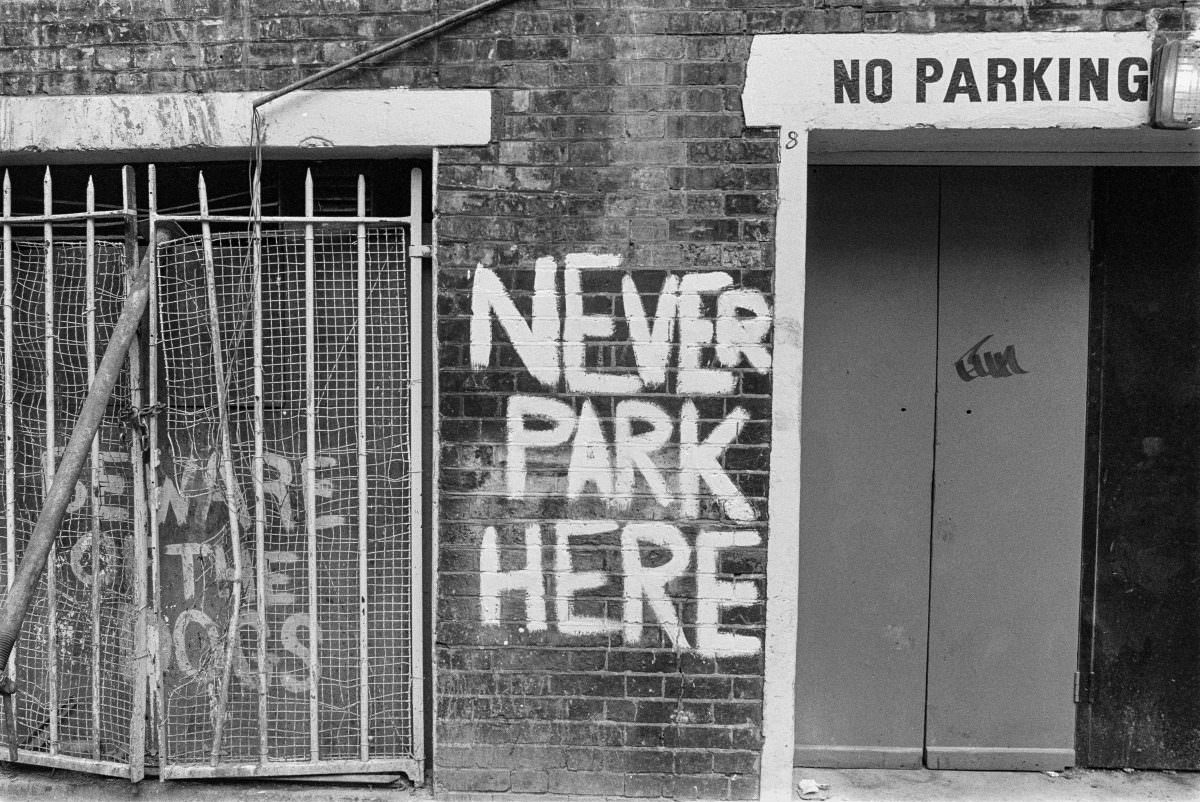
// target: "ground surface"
[[858, 785], [1075, 785]]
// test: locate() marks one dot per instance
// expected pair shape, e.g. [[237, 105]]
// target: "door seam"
[[937, 323]]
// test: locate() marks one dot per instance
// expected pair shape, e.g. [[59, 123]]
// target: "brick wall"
[[619, 134], [603, 510]]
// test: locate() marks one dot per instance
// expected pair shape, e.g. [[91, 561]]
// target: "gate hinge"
[[419, 251]]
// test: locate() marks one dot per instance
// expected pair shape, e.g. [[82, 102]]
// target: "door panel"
[[867, 437], [1004, 601], [964, 525]]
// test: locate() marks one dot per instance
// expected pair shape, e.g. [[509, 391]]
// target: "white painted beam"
[[217, 125]]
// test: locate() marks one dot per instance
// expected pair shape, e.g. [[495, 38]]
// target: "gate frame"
[[369, 123], [417, 251], [134, 769], [147, 684]]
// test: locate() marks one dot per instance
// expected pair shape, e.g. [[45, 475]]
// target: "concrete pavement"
[[1073, 785], [21, 783]]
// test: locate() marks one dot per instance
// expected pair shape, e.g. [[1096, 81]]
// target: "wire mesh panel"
[[74, 662], [286, 601], [280, 541]]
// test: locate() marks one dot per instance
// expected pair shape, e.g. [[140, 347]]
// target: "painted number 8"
[[793, 139]]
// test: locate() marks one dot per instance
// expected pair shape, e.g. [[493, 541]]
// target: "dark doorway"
[[1140, 689]]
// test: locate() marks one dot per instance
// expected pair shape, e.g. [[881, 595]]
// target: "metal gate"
[[235, 590]]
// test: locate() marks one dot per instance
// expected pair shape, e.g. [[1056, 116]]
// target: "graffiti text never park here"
[[704, 329]]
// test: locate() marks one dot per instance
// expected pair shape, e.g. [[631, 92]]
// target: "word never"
[[642, 585], [552, 345], [1089, 78], [999, 366]]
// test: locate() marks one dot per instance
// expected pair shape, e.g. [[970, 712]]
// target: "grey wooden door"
[[867, 446], [943, 438]]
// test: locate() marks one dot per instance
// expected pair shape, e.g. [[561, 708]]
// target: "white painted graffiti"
[[553, 348], [112, 498], [659, 440], [540, 422], [196, 484], [194, 637], [194, 659], [644, 585]]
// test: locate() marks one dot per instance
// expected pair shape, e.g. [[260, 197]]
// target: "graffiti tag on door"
[[976, 364]]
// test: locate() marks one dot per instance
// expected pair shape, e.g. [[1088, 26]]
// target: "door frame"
[[934, 148], [812, 130]]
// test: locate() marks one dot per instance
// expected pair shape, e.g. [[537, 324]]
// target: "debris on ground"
[[811, 789]]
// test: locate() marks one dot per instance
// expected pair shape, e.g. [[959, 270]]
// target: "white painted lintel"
[[217, 125]]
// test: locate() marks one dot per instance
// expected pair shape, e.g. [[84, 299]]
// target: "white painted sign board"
[[951, 80]]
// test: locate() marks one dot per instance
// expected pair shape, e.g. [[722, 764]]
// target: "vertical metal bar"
[[260, 498], [10, 472], [310, 467], [416, 456], [51, 401], [233, 505], [144, 640], [153, 462], [10, 483], [94, 483], [361, 400]]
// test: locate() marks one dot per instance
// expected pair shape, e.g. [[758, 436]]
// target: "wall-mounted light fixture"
[[1176, 100]]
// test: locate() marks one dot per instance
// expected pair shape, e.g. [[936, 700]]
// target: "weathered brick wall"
[[619, 134], [603, 484], [99, 46]]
